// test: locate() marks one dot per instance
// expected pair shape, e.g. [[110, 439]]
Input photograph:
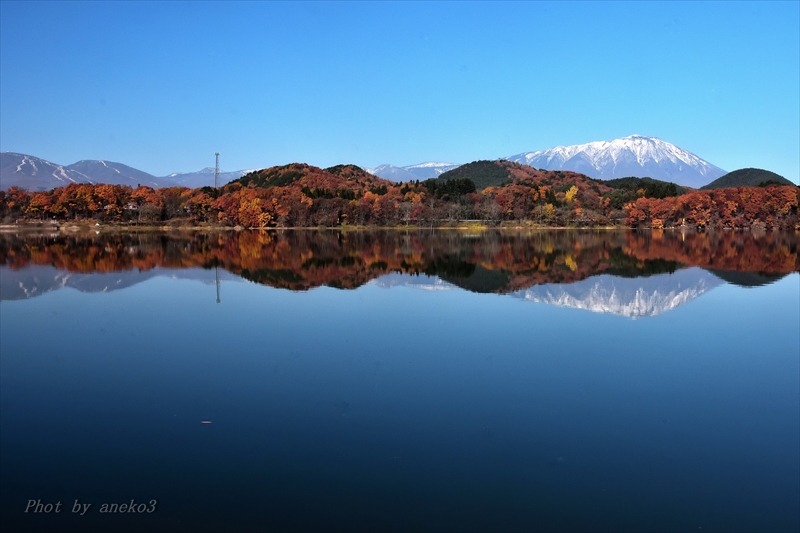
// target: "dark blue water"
[[395, 407]]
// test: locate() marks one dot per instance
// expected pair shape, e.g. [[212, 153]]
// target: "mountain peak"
[[634, 155]]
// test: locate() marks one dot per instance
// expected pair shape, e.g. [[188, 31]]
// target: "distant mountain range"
[[635, 155], [205, 177], [421, 171], [36, 174]]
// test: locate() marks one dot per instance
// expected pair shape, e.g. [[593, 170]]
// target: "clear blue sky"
[[162, 86]]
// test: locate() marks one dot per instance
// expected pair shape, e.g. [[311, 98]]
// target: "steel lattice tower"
[[216, 172]]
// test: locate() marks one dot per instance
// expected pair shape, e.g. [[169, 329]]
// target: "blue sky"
[[162, 86]]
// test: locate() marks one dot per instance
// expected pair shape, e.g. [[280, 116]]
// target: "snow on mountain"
[[391, 172], [433, 165], [112, 173], [205, 177], [635, 155], [421, 171], [36, 174]]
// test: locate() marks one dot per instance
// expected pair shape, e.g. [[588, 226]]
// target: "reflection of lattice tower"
[[216, 277], [216, 172]]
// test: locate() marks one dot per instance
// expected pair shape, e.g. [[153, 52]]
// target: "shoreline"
[[86, 227]]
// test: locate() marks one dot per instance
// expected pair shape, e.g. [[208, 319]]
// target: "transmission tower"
[[216, 186], [216, 172]]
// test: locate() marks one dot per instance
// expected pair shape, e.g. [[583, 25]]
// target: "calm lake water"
[[326, 381]]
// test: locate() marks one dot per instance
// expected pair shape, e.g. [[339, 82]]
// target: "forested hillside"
[[747, 177], [301, 195]]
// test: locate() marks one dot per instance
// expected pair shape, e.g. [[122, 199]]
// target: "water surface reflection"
[[626, 273], [428, 396]]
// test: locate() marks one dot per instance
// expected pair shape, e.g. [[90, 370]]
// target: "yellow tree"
[[571, 193]]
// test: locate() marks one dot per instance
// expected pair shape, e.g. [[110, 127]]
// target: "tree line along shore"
[[487, 193]]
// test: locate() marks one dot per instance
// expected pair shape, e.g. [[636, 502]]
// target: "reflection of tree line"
[[489, 262], [766, 252]]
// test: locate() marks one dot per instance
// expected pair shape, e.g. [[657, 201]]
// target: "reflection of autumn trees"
[[103, 254], [300, 260], [766, 252]]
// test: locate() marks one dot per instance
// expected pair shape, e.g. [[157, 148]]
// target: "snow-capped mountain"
[[35, 174], [112, 173], [205, 177], [635, 155], [391, 172], [421, 171]]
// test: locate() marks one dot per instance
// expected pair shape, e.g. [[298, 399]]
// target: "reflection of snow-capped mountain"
[[605, 293], [427, 283], [36, 280], [631, 297]]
